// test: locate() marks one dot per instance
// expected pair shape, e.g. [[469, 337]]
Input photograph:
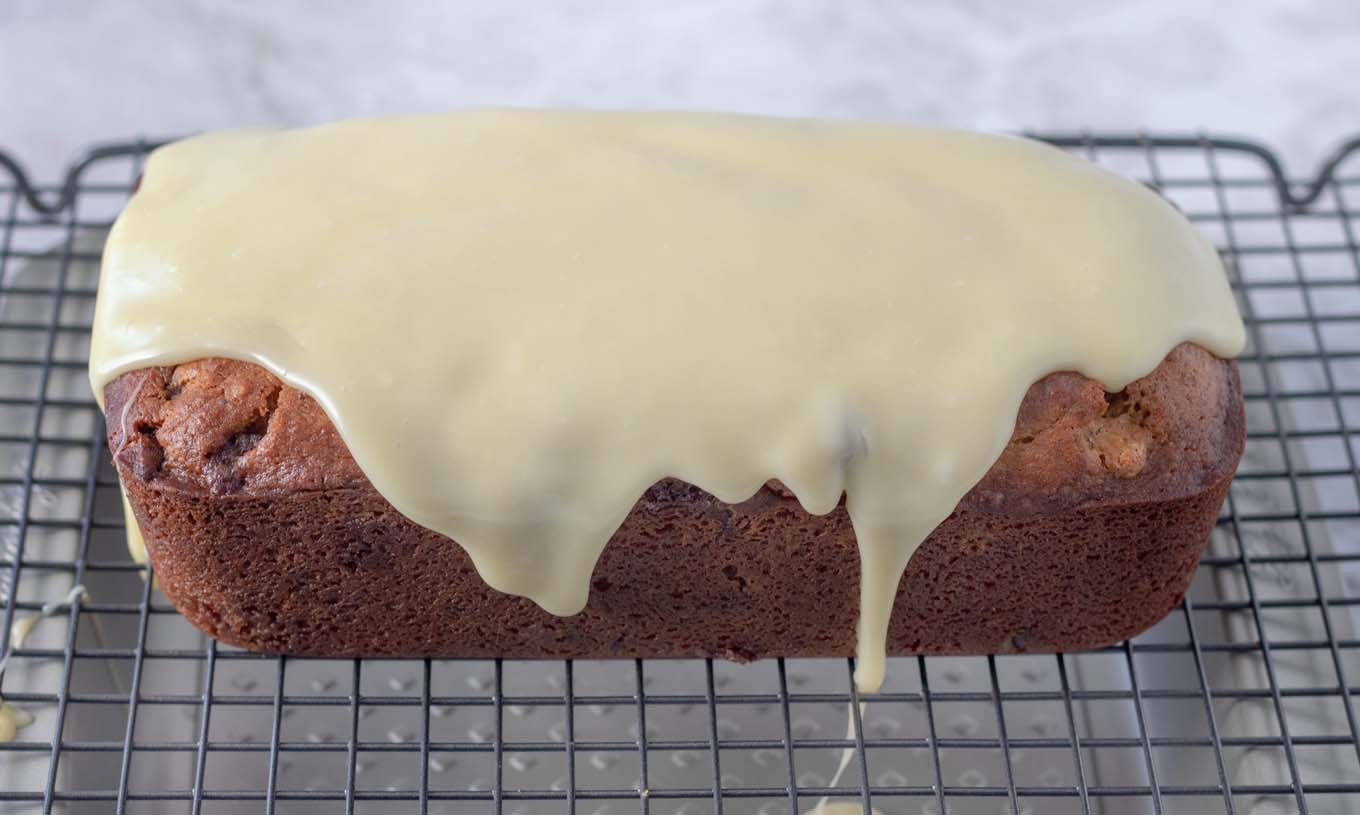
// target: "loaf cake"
[[546, 383], [265, 534]]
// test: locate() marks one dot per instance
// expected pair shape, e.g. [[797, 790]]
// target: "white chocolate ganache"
[[520, 320]]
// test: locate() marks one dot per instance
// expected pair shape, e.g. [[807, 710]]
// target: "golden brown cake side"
[[264, 533]]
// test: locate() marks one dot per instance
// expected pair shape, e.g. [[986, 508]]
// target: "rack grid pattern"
[[1241, 701]]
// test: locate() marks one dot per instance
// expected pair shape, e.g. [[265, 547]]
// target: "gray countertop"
[[1283, 71]]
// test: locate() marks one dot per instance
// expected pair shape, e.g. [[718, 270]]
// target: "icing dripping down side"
[[520, 320], [136, 544]]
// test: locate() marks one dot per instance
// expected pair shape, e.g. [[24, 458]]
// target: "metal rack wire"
[[1241, 701]]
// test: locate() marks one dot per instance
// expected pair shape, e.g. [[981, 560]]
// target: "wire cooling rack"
[[1240, 701]]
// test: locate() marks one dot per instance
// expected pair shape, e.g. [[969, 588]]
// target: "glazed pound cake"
[[265, 534], [530, 384]]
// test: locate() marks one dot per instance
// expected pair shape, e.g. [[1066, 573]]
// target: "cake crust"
[[264, 533]]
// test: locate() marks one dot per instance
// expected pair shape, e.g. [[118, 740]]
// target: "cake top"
[[518, 321]]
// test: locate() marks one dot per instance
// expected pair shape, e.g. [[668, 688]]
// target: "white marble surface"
[[74, 72]]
